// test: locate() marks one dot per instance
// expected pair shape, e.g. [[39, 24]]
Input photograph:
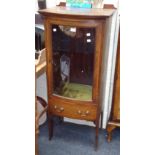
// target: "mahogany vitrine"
[[75, 43]]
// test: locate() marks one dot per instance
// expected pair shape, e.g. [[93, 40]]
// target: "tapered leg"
[[101, 124], [50, 128], [96, 136], [61, 120]]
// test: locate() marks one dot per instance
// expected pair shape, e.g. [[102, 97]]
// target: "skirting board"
[[83, 122]]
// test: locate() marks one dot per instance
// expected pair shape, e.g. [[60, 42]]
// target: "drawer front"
[[77, 111]]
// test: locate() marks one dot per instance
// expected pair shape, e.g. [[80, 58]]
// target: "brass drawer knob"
[[87, 112], [55, 107], [83, 113], [79, 112], [61, 109]]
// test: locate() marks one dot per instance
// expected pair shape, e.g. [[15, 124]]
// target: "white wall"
[[36, 6], [108, 80], [50, 3]]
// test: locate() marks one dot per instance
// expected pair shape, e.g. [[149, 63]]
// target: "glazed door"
[[74, 61], [72, 53]]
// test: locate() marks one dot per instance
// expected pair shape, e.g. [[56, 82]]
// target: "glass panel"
[[73, 61]]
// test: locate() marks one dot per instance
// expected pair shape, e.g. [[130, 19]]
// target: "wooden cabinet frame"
[[56, 104]]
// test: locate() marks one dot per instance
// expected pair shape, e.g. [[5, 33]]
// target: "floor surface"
[[73, 139]]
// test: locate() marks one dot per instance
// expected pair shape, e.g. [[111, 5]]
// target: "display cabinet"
[[75, 44]]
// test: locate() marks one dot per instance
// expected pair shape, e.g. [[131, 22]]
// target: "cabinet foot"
[[110, 128]]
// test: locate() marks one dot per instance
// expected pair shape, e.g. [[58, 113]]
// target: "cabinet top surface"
[[93, 12]]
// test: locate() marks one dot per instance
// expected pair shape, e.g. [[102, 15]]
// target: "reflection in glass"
[[73, 61]]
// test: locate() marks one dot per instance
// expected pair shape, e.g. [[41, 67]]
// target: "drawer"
[[71, 110]]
